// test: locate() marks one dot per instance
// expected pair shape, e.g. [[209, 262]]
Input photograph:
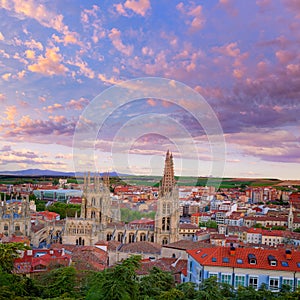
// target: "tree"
[[209, 224], [58, 282], [8, 253], [156, 282], [117, 283]]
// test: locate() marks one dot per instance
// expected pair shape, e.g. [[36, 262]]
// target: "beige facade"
[[15, 217]]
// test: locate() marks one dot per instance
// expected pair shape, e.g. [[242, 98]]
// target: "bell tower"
[[167, 214]]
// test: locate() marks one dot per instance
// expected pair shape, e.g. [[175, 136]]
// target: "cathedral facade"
[[15, 217], [100, 219]]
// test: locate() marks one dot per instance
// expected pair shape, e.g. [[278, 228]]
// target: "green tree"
[[209, 224], [117, 283], [8, 253], [58, 282], [156, 282]]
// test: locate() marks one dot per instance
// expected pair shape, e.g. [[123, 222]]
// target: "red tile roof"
[[204, 257]]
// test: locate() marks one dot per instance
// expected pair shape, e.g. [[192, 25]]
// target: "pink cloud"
[[52, 108], [50, 64], [11, 113], [77, 104], [115, 37], [196, 19], [139, 7]]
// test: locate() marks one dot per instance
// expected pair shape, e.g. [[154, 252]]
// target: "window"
[[17, 227], [226, 278], [274, 284], [253, 281], [239, 280], [225, 260], [239, 261], [289, 282], [5, 227], [284, 263], [213, 275], [213, 259]]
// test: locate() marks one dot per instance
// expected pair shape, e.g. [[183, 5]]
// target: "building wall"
[[197, 273]]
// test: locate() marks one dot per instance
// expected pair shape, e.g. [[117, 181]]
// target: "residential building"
[[245, 267]]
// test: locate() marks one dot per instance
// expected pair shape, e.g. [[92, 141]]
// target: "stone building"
[[15, 217], [100, 219]]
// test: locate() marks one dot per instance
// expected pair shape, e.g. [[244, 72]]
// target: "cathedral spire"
[[168, 180]]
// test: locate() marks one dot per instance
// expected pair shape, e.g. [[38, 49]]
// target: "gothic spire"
[[168, 181]]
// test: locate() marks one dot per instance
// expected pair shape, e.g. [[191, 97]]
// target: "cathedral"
[[100, 218], [15, 217]]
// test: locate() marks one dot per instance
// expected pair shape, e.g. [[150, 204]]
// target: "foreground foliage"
[[122, 283]]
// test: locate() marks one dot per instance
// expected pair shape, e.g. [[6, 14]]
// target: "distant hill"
[[39, 172]]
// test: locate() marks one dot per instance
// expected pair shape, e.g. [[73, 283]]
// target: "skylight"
[[239, 261], [225, 260], [204, 255], [284, 263], [213, 259]]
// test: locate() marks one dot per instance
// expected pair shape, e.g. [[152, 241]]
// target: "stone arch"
[[142, 237], [165, 241], [131, 237]]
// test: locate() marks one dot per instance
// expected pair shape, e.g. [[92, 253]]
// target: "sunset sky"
[[242, 56]]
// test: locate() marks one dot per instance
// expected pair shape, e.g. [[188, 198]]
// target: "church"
[[100, 218]]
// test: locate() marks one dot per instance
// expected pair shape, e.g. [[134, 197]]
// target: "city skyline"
[[57, 57]]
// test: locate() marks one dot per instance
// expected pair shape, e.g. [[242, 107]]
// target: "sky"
[[61, 63]]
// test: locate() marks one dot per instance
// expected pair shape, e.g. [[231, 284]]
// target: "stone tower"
[[95, 214], [167, 214], [291, 217]]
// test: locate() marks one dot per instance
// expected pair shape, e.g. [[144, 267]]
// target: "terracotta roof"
[[173, 265], [141, 247], [220, 256], [186, 244], [188, 226], [86, 257]]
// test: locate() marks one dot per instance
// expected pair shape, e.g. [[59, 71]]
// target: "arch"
[[17, 227], [109, 236], [131, 237], [165, 241], [120, 237], [152, 238], [163, 225], [142, 237], [168, 223]]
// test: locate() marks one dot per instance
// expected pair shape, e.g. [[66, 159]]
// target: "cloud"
[[2, 97], [1, 36], [115, 37], [267, 144], [228, 5], [294, 6], [52, 108], [56, 129], [6, 76], [111, 80], [30, 54], [83, 67], [11, 113], [41, 14], [196, 19], [50, 64], [140, 7], [77, 104], [24, 156], [32, 44]]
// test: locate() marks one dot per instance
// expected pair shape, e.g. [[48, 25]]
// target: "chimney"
[[232, 251], [288, 254]]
